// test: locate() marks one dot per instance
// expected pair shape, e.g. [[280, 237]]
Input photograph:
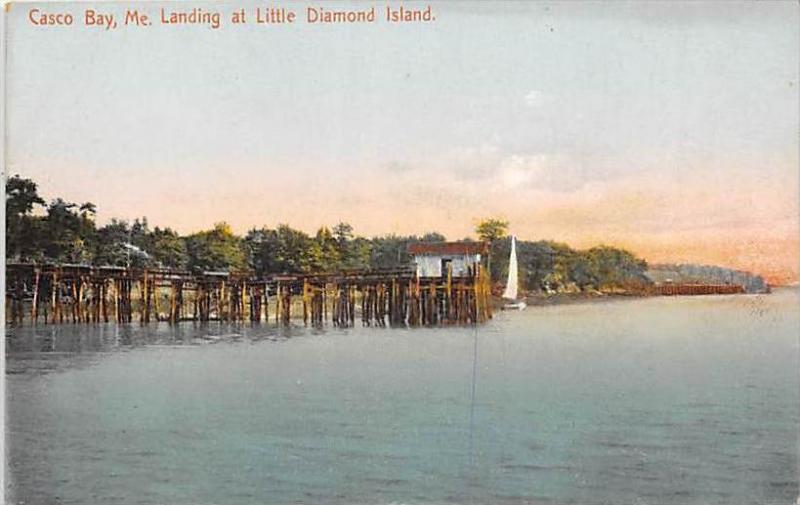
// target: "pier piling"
[[82, 294]]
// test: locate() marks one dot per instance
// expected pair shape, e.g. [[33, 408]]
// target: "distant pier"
[[695, 289], [54, 294]]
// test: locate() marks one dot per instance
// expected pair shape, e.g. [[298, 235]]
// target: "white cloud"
[[517, 171], [534, 98]]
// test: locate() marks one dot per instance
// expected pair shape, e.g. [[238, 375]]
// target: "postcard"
[[401, 252]]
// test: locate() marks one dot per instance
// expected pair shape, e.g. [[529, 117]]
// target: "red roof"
[[448, 248]]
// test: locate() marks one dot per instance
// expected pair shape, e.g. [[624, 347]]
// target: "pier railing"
[[50, 294]]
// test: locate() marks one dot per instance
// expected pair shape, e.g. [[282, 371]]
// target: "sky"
[[667, 128]]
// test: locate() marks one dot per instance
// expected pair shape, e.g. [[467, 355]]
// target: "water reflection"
[[107, 337], [51, 348]]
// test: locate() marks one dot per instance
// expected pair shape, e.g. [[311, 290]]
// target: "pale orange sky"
[[726, 218], [668, 128]]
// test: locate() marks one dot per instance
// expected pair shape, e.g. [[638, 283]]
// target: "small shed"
[[432, 258]]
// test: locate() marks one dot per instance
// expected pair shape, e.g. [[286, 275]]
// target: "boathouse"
[[431, 259]]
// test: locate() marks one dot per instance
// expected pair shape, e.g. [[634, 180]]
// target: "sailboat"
[[510, 294]]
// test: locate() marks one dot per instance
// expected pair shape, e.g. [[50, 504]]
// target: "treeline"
[[552, 267], [66, 232], [707, 274]]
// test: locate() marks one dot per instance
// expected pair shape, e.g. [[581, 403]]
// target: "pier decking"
[[50, 294]]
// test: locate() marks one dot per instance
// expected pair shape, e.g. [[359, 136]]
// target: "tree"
[[611, 267], [167, 249], [537, 261], [490, 230], [359, 252], [136, 245], [343, 233], [325, 254], [390, 251], [110, 245], [433, 236], [21, 196], [70, 232], [22, 229], [282, 250], [217, 249], [354, 252]]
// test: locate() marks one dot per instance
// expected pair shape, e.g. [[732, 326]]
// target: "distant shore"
[[572, 298], [544, 299]]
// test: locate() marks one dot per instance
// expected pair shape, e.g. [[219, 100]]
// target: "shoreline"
[[544, 300]]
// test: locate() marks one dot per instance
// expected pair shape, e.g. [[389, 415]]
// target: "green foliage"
[[547, 266], [23, 231], [167, 249], [433, 236], [217, 249], [389, 251], [358, 254], [137, 246], [21, 196], [343, 233], [610, 267], [69, 231], [326, 253], [286, 250], [283, 250], [493, 229], [110, 247]]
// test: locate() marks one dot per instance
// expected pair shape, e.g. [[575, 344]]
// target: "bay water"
[[685, 400]]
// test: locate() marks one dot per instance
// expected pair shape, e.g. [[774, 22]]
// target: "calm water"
[[649, 401]]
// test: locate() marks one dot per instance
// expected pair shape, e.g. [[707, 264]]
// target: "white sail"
[[511, 284]]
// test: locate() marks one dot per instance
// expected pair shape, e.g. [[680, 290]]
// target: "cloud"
[[534, 98], [519, 171], [493, 168]]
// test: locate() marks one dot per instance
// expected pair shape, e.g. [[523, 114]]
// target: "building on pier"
[[431, 259]]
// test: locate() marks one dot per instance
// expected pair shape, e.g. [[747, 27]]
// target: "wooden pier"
[[695, 289], [55, 294]]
